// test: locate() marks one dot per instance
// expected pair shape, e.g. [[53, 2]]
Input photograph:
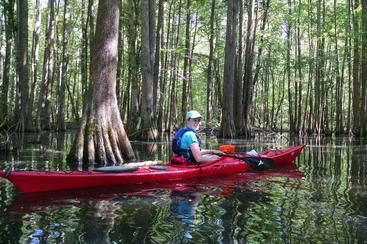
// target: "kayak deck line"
[[43, 181]]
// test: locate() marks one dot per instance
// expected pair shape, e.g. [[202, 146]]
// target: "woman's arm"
[[203, 155], [211, 151]]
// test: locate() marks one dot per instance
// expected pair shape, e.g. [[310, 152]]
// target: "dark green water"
[[321, 200]]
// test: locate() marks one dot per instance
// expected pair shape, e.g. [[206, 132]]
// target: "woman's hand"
[[203, 155], [212, 151], [210, 157]]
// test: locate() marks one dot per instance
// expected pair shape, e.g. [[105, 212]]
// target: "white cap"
[[193, 114]]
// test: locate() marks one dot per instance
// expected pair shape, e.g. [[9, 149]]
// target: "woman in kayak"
[[187, 142]]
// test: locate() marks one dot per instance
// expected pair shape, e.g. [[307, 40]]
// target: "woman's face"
[[194, 123]]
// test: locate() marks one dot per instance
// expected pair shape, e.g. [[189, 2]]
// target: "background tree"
[[159, 92], [248, 80], [9, 37], [148, 129], [357, 111], [23, 115], [63, 72], [133, 123], [227, 126], [186, 88], [364, 68], [44, 104], [35, 53], [210, 81], [310, 81]]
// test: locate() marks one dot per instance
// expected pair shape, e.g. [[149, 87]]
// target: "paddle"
[[257, 163]]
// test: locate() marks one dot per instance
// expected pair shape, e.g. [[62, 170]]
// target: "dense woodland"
[[298, 66]]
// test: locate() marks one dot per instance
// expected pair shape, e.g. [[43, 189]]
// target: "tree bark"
[[44, 104], [248, 81], [291, 123], [133, 123], [102, 138], [364, 69], [84, 59], [64, 68], [120, 63], [339, 83], [24, 117], [348, 56], [9, 37], [174, 68], [238, 84], [191, 54], [35, 51], [299, 74], [185, 75], [158, 62], [148, 130], [320, 68], [228, 129], [356, 80], [210, 81]]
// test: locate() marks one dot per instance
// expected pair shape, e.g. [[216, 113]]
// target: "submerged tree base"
[[101, 140]]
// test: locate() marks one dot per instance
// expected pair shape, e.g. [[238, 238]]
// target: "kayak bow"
[[37, 181]]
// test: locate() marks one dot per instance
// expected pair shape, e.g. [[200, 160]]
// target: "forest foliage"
[[297, 66]]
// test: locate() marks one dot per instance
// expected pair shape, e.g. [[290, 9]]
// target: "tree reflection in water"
[[99, 221]]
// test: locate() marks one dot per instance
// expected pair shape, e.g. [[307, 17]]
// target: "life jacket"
[[176, 143]]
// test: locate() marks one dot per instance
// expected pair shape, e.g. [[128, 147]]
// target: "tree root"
[[100, 143]]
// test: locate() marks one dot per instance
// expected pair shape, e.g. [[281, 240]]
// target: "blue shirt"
[[187, 139]]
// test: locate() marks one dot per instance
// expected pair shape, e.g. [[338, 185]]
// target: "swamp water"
[[322, 199]]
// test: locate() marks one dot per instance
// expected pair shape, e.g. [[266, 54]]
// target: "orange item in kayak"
[[227, 148]]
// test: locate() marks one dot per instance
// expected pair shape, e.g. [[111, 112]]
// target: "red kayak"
[[36, 181]]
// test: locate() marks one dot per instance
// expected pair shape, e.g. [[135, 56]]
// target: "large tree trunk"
[[102, 138], [364, 68], [339, 82], [298, 85], [176, 23], [228, 129], [133, 122], [35, 51], [23, 118], [289, 32], [237, 92], [209, 87], [163, 114], [120, 63], [348, 57], [44, 104], [64, 68], [84, 59], [158, 60], [185, 75], [356, 79], [9, 29], [148, 130], [248, 81], [320, 68]]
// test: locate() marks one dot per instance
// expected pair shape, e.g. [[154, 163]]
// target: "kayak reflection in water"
[[183, 207]]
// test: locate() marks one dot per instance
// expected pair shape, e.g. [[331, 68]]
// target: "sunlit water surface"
[[321, 199]]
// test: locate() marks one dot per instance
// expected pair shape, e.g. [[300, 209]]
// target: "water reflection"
[[326, 204], [99, 218], [183, 207]]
